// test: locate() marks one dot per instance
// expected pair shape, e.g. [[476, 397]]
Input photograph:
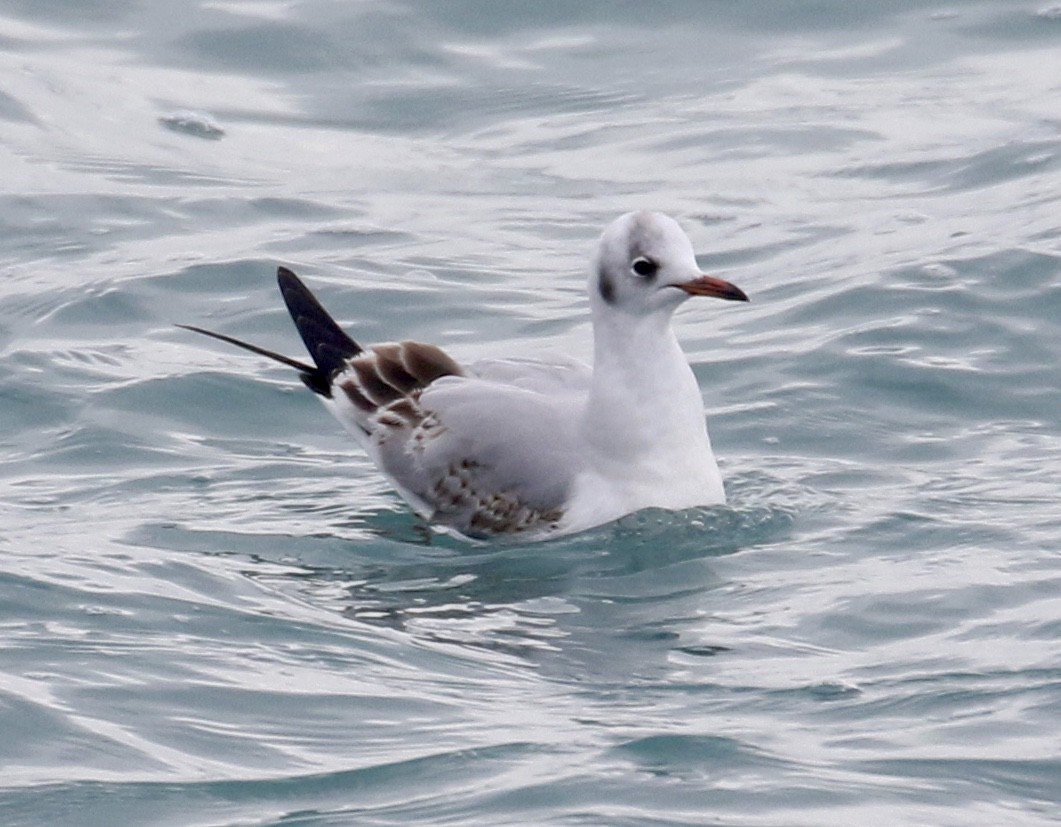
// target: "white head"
[[645, 264]]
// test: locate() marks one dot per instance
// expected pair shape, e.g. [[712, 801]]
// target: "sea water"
[[215, 612]]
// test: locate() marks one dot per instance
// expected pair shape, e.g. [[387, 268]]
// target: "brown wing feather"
[[393, 375]]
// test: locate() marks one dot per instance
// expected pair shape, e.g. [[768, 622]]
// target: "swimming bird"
[[532, 448]]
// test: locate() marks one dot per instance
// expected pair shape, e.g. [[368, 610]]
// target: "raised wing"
[[486, 449], [488, 453]]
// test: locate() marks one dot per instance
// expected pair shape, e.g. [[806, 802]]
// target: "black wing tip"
[[315, 379], [286, 277], [318, 383], [326, 342]]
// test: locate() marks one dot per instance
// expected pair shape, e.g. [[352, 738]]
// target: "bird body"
[[515, 446]]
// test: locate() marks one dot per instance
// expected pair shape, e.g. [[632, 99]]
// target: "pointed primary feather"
[[261, 351], [326, 342]]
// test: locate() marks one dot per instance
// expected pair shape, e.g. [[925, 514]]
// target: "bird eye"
[[645, 267]]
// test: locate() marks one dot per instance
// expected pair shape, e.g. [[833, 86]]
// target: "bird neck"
[[633, 345], [644, 393]]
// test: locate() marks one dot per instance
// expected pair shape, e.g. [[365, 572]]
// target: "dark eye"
[[645, 267]]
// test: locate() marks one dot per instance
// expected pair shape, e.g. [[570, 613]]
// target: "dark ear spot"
[[605, 286]]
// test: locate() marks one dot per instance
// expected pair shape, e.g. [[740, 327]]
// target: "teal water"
[[215, 612]]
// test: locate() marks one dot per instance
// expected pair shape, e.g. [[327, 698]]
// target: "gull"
[[532, 448]]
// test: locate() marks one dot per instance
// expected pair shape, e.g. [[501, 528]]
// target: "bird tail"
[[324, 339]]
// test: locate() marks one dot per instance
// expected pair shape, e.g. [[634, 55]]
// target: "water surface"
[[215, 612]]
